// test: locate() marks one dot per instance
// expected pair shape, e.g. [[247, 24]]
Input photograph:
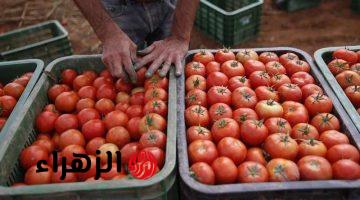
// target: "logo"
[[142, 165]]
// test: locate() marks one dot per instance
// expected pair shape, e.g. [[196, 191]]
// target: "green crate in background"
[[229, 28], [46, 41], [162, 186], [231, 5], [355, 5], [294, 5]]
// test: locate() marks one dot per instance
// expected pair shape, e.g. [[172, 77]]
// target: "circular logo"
[[142, 165]]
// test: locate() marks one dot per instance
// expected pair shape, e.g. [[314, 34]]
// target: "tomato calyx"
[[193, 175], [305, 130], [254, 171], [349, 79], [311, 142], [258, 123], [290, 85], [243, 117], [221, 90], [149, 121], [220, 110], [285, 139], [196, 65], [279, 170], [154, 80], [192, 98], [247, 96], [196, 83], [340, 65], [222, 123], [198, 110], [270, 54], [270, 102], [264, 75], [152, 137], [200, 130], [242, 79], [234, 64], [299, 62], [155, 94], [156, 104], [318, 97], [281, 123], [326, 119]]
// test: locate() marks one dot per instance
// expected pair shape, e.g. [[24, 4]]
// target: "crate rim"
[[224, 12], [241, 188], [123, 184]]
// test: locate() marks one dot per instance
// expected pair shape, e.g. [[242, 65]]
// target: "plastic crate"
[[331, 189], [229, 28], [161, 186], [322, 58], [46, 41], [355, 5], [294, 5], [231, 5]]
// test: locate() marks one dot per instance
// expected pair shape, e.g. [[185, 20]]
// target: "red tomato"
[[87, 92], [332, 137], [195, 82], [325, 121], [225, 127], [197, 133], [252, 172], [68, 152], [94, 144], [252, 66], [196, 97], [56, 90], [106, 91], [84, 103], [115, 118], [153, 138], [295, 112], [122, 97], [294, 66], [22, 81], [318, 103], [337, 66], [128, 150], [238, 81], [268, 108], [156, 106], [348, 78], [104, 106], [212, 66], [156, 82], [203, 173], [279, 79], [45, 121], [155, 94], [68, 76], [140, 75], [285, 58], [51, 108], [87, 114], [267, 57], [81, 81], [225, 170], [93, 75], [259, 78], [46, 144], [122, 86], [2, 122], [312, 147], [246, 54], [353, 93], [314, 168], [290, 92], [266, 93], [233, 149], [218, 94], [224, 55], [158, 154], [281, 145], [216, 79], [197, 115], [347, 55], [304, 131], [82, 176], [253, 132], [342, 151], [277, 125], [256, 154], [195, 68], [274, 68], [35, 178], [65, 122], [242, 114], [66, 102], [356, 67], [31, 155], [7, 104], [69, 177], [220, 110], [310, 89], [152, 121], [282, 170], [346, 170], [136, 110], [118, 135], [108, 147], [93, 128], [112, 173], [244, 97], [100, 81], [232, 68], [302, 78], [139, 97], [204, 57]]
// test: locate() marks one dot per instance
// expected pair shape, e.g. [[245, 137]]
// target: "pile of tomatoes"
[[89, 111], [345, 66], [259, 118], [10, 94]]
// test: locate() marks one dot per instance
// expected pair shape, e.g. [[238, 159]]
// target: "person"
[[124, 25]]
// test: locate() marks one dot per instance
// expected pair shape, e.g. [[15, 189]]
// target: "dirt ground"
[[331, 24]]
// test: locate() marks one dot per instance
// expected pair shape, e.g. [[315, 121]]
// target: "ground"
[[331, 24]]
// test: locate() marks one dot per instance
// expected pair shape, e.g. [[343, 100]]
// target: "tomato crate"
[[230, 5], [163, 185], [324, 56], [325, 189], [229, 27], [355, 5], [46, 41], [294, 5]]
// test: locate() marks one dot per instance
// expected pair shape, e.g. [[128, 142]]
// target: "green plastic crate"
[[355, 5], [231, 5], [161, 186], [294, 5], [229, 28], [46, 41]]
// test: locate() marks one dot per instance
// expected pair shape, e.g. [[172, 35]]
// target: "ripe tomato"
[[246, 54], [156, 106], [274, 68], [353, 93], [158, 154], [347, 55], [7, 104], [253, 132], [122, 86], [133, 128], [342, 151], [87, 92], [356, 67], [197, 133], [156, 82], [238, 81], [112, 173], [106, 148], [233, 149], [66, 102], [295, 112], [332, 137], [220, 110], [225, 170], [152, 121], [232, 68], [266, 93], [100, 81], [304, 131], [69, 178], [281, 145], [244, 97], [252, 66], [204, 57], [325, 121], [277, 125], [104, 106], [22, 80], [203, 173], [31, 155], [196, 97], [46, 144], [282, 170], [81, 81], [224, 55], [197, 115], [259, 78], [346, 169], [45, 121], [122, 97], [218, 94], [195, 68], [51, 108], [68, 76], [139, 97], [242, 114], [93, 75], [106, 91], [202, 151], [128, 150], [43, 136], [94, 144], [268, 108], [155, 93], [225, 127], [314, 168], [115, 118], [195, 82], [256, 154], [294, 66], [302, 78], [84, 103], [153, 138], [93, 128], [290, 92], [348, 78], [337, 66], [312, 147], [2, 122], [279, 79], [118, 135], [216, 79], [287, 57], [65, 122], [267, 57], [87, 114], [56, 90], [318, 103], [252, 172], [310, 89], [35, 178], [137, 89], [212, 66], [55, 139]]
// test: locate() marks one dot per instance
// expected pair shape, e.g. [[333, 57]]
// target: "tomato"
[[295, 112], [106, 148], [68, 76], [104, 106], [27, 74], [218, 94], [314, 168], [202, 151], [302, 78], [287, 57], [220, 110], [259, 78], [197, 133], [267, 57], [256, 154], [348, 78], [203, 173], [115, 118], [87, 92], [337, 66], [155, 93], [238, 81], [128, 150], [347, 55], [282, 170], [139, 97], [243, 114], [45, 121], [152, 121], [246, 54], [112, 173], [100, 81], [81, 81], [225, 170], [43, 136], [216, 79], [46, 144], [84, 103], [253, 132], [252, 66], [93, 75], [304, 131], [55, 139], [196, 97], [353, 93], [356, 67], [325, 121], [318, 103], [281, 145], [94, 144], [105, 73], [158, 154], [244, 97], [277, 125], [197, 115], [274, 68], [232, 68], [140, 76], [69, 177], [294, 66], [87, 114], [279, 79], [203, 57], [68, 152], [56, 90], [310, 89], [153, 138], [2, 122], [137, 89], [118, 135], [224, 55], [106, 91], [333, 137], [7, 104], [35, 178], [225, 127], [156, 82], [346, 170], [212, 66], [133, 128], [342, 151], [233, 149], [50, 108], [290, 92], [66, 101], [92, 179], [252, 172], [195, 82], [31, 155], [156, 106], [312, 147], [65, 122], [93, 128], [195, 68], [268, 108], [22, 81], [266, 93]]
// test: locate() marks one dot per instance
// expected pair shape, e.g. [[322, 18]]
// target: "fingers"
[[178, 66], [118, 70], [129, 68], [147, 50], [166, 67], [143, 61], [154, 66]]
